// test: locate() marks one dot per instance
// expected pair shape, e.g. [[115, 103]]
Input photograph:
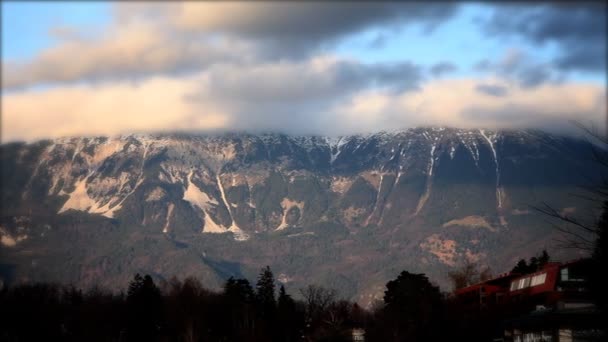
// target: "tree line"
[[184, 310], [412, 309]]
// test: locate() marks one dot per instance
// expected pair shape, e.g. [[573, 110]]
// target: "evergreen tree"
[[536, 263], [544, 258], [413, 307], [289, 320], [238, 290], [521, 267], [265, 292], [285, 300], [144, 305], [240, 317]]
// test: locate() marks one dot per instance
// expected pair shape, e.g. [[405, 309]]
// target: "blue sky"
[[49, 48], [26, 25]]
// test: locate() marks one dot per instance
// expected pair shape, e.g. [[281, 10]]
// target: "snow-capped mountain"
[[346, 212]]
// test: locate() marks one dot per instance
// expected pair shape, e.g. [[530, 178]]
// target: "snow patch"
[[198, 198], [239, 234], [195, 196], [429, 181], [169, 213], [287, 204], [300, 234], [103, 151], [211, 227], [432, 159], [108, 211], [376, 202], [335, 146], [498, 189], [473, 221], [79, 199]]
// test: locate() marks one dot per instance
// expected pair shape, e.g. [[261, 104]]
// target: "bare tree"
[[469, 273], [317, 299], [590, 235], [580, 233]]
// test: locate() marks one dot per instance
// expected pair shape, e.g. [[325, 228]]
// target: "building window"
[[564, 274], [538, 279]]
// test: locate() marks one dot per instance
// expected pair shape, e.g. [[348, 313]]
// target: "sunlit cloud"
[[271, 66]]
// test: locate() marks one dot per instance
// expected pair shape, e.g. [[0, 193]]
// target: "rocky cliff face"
[[346, 212]]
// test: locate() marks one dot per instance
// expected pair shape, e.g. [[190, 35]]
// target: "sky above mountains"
[[331, 68]]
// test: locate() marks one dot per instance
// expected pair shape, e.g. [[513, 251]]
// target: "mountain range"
[[345, 212]]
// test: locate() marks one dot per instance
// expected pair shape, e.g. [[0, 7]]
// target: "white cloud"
[[108, 109], [174, 103]]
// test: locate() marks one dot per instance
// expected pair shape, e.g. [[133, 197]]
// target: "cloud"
[[319, 77], [305, 25], [578, 30], [378, 42], [137, 50], [296, 97], [492, 90], [517, 66], [256, 67], [148, 39], [196, 104], [106, 109], [442, 68], [457, 103]]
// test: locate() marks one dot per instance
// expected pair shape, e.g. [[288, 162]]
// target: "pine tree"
[[265, 291], [289, 320], [413, 307], [285, 302], [543, 259], [521, 267], [238, 290], [144, 304]]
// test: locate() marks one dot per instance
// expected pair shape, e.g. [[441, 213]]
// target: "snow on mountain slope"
[[421, 198]]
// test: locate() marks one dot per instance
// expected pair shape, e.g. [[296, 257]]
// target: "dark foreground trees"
[[183, 310], [413, 309], [144, 310]]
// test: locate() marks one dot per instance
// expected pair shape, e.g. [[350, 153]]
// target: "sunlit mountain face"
[[346, 212]]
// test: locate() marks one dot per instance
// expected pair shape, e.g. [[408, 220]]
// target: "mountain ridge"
[[432, 196]]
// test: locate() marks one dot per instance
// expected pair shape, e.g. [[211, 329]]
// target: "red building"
[[552, 304]]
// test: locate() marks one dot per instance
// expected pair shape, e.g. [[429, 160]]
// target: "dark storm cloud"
[[578, 29], [297, 27], [533, 76], [515, 65], [442, 68], [317, 80], [492, 90], [298, 97]]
